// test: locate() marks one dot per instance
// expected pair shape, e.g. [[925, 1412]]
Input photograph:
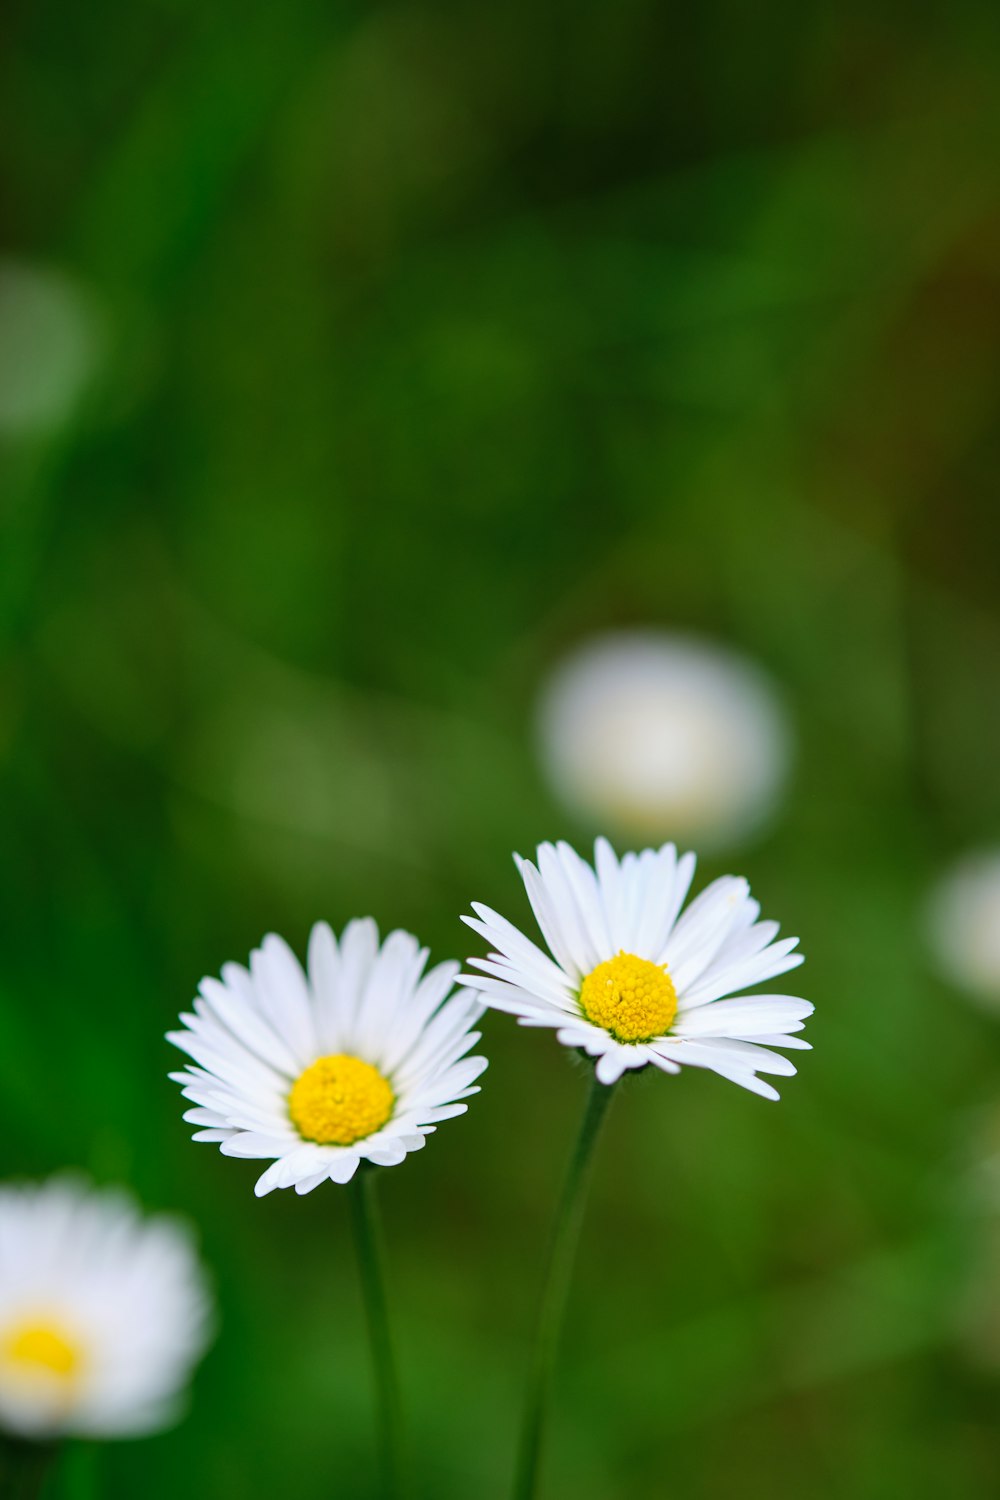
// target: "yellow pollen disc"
[[630, 997], [339, 1099], [38, 1347]]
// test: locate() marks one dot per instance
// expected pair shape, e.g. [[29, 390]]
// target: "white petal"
[[325, 983], [594, 1040], [550, 920], [391, 982], [611, 1065], [513, 944], [284, 996], [742, 1055], [775, 960], [560, 996], [746, 1016], [247, 1024], [796, 1043], [584, 890], [358, 948], [343, 1168], [248, 1144], [306, 1184], [666, 884], [499, 995], [701, 931], [427, 999]]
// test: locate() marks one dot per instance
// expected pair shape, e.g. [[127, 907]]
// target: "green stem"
[[371, 1265], [80, 1477], [555, 1291]]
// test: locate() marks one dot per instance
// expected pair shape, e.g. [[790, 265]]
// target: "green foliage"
[[436, 336]]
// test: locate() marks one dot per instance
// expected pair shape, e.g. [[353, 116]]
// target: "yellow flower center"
[[41, 1347], [631, 997], [339, 1099]]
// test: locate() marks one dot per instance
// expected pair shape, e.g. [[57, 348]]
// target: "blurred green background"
[[433, 338]]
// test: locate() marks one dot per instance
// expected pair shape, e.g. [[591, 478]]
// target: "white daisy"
[[963, 921], [358, 1060], [652, 732], [53, 338], [631, 981], [102, 1313]]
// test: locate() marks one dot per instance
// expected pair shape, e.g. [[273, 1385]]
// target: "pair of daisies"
[[102, 1314], [360, 1057]]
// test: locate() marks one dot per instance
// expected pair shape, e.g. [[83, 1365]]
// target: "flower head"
[[357, 1060], [102, 1313], [649, 732], [963, 919], [52, 342], [633, 981]]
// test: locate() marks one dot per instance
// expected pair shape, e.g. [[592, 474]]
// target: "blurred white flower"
[[103, 1313], [656, 734], [50, 338], [357, 1060], [963, 920]]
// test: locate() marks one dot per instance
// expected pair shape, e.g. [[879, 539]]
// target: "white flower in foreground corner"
[[357, 1061], [631, 980], [103, 1313]]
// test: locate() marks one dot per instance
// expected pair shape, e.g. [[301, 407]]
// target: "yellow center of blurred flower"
[[34, 1347], [339, 1099], [631, 997]]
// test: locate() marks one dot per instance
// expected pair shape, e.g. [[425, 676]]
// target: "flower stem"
[[555, 1291], [81, 1477], [371, 1265]]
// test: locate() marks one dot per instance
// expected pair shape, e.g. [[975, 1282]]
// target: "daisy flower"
[[652, 731], [632, 980], [102, 1313], [357, 1060], [963, 923], [54, 339]]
